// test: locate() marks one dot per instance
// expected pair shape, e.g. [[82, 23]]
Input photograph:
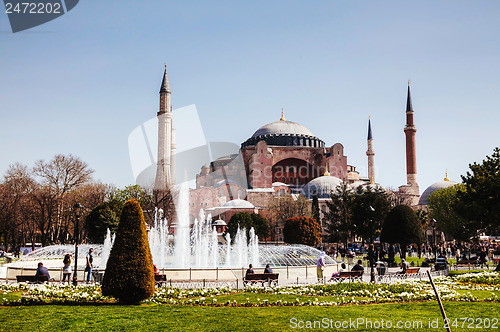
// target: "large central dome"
[[283, 128], [284, 133]]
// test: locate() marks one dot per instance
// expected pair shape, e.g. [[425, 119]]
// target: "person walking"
[[320, 266], [89, 260], [67, 267]]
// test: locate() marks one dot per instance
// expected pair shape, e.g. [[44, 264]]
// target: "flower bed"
[[456, 288]]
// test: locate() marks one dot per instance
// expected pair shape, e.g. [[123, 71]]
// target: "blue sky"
[[81, 83]]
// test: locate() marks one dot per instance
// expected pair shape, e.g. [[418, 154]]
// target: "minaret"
[[370, 153], [165, 169], [411, 156]]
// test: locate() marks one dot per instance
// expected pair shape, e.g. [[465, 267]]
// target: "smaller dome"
[[280, 184], [219, 222], [322, 185], [433, 187], [239, 204]]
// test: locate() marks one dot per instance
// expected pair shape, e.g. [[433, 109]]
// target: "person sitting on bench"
[[268, 269], [42, 270], [337, 274], [358, 267], [404, 265], [249, 271]]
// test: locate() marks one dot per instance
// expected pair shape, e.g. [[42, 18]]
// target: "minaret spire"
[[165, 85], [165, 168], [411, 155], [370, 153]]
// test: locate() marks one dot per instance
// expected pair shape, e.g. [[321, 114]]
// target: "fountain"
[[196, 246]]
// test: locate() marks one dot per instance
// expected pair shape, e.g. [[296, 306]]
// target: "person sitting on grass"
[[358, 267], [42, 270], [268, 269]]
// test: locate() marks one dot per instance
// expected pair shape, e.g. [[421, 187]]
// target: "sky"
[[83, 82]]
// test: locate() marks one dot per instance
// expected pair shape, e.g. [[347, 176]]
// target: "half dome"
[[323, 186], [239, 204], [432, 188]]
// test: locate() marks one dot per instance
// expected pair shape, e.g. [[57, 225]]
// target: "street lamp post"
[[372, 251], [434, 247], [76, 208]]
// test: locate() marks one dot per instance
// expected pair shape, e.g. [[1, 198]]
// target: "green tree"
[[339, 214], [129, 275], [105, 215], [446, 208], [302, 230], [370, 206], [315, 207], [245, 220], [482, 194], [402, 226], [261, 225]]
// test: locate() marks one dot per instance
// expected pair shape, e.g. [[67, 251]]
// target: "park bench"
[[270, 278], [411, 270], [33, 279], [467, 262], [348, 276], [160, 279]]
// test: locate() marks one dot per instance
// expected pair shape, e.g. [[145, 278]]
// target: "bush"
[[302, 230], [129, 275]]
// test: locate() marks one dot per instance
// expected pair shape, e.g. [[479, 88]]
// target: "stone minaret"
[[411, 188], [165, 169], [411, 155], [370, 153]]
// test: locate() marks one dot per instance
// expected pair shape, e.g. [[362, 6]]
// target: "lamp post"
[[434, 248], [76, 209], [372, 245]]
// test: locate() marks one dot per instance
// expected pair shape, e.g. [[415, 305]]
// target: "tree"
[[15, 206], [284, 207], [402, 226], [105, 215], [482, 193], [370, 206], [245, 220], [339, 214], [315, 207], [302, 230], [58, 177], [129, 272], [446, 208]]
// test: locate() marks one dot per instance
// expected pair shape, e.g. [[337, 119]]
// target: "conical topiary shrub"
[[129, 275]]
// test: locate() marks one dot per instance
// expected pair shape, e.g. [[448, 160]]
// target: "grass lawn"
[[197, 318]]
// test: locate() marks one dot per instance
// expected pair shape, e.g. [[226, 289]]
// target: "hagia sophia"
[[279, 158]]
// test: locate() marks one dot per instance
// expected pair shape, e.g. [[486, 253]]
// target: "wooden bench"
[[270, 278], [467, 262], [411, 270], [348, 276], [33, 279]]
